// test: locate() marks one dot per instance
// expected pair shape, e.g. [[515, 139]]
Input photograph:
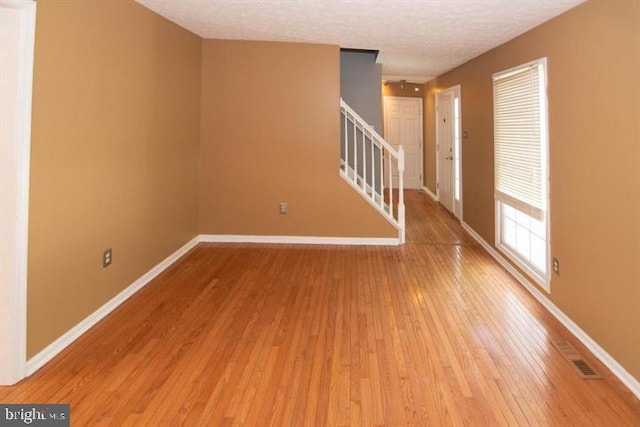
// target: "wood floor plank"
[[432, 333]]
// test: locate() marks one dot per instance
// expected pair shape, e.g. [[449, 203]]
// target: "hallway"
[[429, 223], [431, 333]]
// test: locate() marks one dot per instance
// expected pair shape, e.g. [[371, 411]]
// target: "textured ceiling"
[[417, 39]]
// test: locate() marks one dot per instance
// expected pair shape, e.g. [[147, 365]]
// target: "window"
[[521, 167]]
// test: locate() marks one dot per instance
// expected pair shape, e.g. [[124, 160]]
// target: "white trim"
[[618, 370], [14, 188], [17, 4], [430, 193], [300, 240], [40, 359]]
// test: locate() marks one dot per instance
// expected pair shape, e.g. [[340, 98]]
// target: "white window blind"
[[519, 113]]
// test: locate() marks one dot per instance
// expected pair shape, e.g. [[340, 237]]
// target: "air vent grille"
[[576, 360]]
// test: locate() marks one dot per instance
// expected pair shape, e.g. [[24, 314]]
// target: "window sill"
[[540, 280]]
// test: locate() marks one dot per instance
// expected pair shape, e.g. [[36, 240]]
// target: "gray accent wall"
[[361, 85]]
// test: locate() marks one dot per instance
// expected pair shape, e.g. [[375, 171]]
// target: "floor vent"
[[575, 359]]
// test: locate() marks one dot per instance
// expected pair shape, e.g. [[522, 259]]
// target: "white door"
[[448, 119], [445, 149], [403, 126]]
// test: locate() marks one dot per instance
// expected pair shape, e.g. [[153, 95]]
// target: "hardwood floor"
[[431, 333]]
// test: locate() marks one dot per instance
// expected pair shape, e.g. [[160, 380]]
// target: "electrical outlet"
[[555, 263], [106, 258], [284, 208]]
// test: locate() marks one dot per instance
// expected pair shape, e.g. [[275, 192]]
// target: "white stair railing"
[[372, 166]]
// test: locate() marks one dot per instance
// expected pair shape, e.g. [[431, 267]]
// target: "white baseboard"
[[49, 352], [618, 370], [301, 240], [429, 192], [65, 340]]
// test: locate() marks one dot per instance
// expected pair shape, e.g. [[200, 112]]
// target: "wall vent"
[[575, 359]]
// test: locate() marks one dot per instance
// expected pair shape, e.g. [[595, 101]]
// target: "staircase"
[[372, 167]]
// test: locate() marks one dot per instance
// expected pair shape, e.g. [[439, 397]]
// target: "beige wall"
[[593, 56], [114, 155], [409, 90], [270, 133]]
